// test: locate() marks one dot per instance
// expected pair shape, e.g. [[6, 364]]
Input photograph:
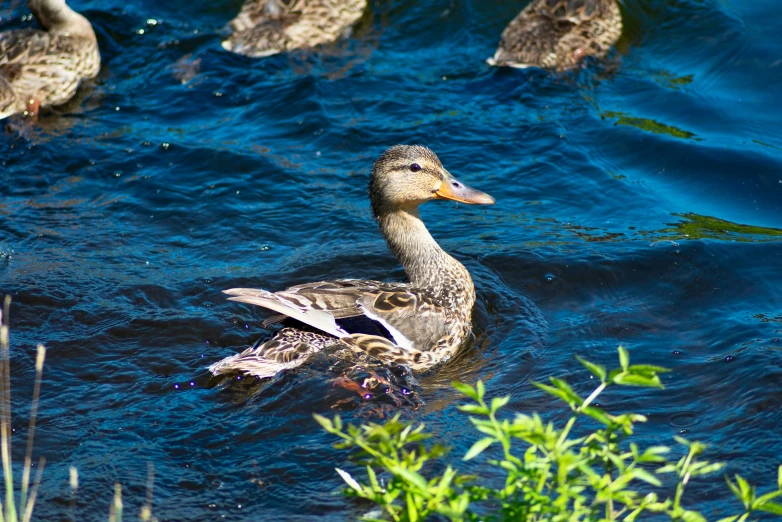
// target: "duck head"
[[406, 176]]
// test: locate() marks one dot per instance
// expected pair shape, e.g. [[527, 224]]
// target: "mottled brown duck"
[[266, 27], [558, 34], [417, 324], [43, 68]]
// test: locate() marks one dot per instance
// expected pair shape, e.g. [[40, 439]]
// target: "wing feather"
[[317, 319]]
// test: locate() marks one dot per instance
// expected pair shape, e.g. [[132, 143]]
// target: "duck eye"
[[415, 167]]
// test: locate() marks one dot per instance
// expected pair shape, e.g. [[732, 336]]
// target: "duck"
[[44, 67], [266, 27], [416, 324], [559, 34]]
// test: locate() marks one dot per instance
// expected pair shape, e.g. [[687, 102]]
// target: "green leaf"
[[499, 402], [481, 389], [765, 498], [710, 468], [692, 516], [476, 409], [410, 476], [624, 358], [565, 387], [770, 507], [747, 493], [734, 488], [465, 389], [324, 422], [373, 479], [595, 369], [779, 478], [647, 368], [598, 414], [728, 519], [478, 447], [629, 379], [556, 392], [350, 480], [681, 440], [642, 474]]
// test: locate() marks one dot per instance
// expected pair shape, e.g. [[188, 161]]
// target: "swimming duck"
[[416, 324], [558, 34], [266, 27], [42, 68]]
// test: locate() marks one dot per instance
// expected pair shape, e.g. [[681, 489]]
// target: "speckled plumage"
[[416, 324], [266, 27], [46, 65], [558, 34]]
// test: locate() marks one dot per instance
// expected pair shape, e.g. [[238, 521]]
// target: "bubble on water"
[[730, 358], [677, 352], [176, 386], [152, 22], [140, 31], [367, 396], [217, 94], [165, 145], [405, 391], [549, 277], [192, 383]]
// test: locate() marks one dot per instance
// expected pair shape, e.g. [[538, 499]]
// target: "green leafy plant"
[[549, 473]]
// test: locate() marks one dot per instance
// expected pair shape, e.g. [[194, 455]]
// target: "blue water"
[[639, 202]]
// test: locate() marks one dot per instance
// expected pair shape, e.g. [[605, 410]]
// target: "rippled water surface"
[[639, 202]]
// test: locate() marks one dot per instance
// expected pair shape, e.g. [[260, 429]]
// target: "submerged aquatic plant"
[[550, 473]]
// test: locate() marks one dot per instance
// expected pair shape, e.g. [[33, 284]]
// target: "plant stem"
[[592, 397]]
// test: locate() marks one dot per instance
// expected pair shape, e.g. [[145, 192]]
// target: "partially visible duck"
[[43, 68], [558, 34], [266, 27], [416, 324]]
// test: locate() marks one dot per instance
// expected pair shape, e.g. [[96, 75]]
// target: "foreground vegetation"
[[11, 509], [549, 473]]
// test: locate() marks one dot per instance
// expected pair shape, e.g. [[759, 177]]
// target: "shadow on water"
[[638, 203]]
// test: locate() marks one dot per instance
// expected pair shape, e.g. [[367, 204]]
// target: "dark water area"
[[639, 202]]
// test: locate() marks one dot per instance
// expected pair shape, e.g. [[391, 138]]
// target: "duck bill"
[[455, 190]]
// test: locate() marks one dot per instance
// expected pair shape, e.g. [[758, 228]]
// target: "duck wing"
[[395, 311]]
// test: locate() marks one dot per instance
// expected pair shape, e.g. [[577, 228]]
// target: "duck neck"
[[55, 15], [428, 266]]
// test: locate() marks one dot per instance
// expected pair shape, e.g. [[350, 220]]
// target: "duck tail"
[[255, 365], [286, 350]]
